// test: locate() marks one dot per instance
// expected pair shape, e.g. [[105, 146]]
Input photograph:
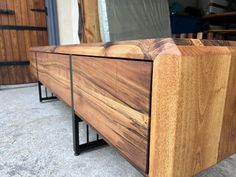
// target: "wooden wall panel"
[[16, 43], [113, 96], [54, 73], [33, 65]]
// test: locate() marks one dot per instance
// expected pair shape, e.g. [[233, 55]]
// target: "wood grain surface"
[[33, 65], [54, 73], [113, 96], [14, 44], [228, 132], [181, 91], [147, 49], [188, 102], [90, 21]]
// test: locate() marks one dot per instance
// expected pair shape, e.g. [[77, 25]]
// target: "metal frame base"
[[89, 145], [78, 148], [46, 98]]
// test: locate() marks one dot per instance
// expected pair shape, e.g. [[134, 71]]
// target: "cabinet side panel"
[[186, 128], [228, 133], [165, 88]]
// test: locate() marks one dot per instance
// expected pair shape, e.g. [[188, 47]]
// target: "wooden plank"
[[4, 70], [113, 96], [54, 72], [90, 17], [25, 20], [32, 21], [134, 49], [200, 35], [15, 44], [210, 35], [188, 102], [8, 46], [228, 132], [33, 65], [21, 38], [190, 35]]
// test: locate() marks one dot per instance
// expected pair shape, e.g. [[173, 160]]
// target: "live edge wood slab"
[[167, 105]]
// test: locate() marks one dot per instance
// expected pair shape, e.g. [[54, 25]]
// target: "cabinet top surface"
[[146, 49]]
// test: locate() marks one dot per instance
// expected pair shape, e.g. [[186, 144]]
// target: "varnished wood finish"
[[33, 65], [228, 133], [182, 90], [90, 21], [114, 97], [54, 72], [188, 108], [148, 49], [14, 44]]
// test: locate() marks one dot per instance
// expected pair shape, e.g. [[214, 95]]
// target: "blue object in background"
[[183, 24], [176, 8]]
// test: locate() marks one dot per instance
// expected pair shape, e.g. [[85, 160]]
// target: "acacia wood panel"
[[113, 96], [146, 49], [188, 103], [54, 73], [228, 132], [193, 100]]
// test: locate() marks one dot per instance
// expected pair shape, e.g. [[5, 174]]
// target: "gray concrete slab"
[[36, 141]]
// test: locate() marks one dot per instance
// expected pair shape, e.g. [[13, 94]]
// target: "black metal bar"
[[13, 63], [40, 92], [38, 10], [87, 131], [77, 117], [78, 148], [13, 27], [75, 125], [7, 11], [92, 145], [41, 98], [46, 92]]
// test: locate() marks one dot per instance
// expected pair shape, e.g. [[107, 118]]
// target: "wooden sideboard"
[[167, 105]]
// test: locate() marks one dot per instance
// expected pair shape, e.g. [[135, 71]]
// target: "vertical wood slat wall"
[[14, 43]]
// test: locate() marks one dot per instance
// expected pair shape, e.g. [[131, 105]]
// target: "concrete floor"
[[36, 141]]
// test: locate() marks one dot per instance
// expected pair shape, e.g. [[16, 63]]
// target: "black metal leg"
[[46, 98], [79, 148], [75, 126], [40, 91]]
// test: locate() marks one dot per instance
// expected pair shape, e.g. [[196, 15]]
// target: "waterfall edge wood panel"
[[167, 105], [22, 25]]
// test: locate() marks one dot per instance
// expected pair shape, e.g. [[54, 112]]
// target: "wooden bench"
[[167, 105]]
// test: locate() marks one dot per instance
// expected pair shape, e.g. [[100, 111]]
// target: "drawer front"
[[113, 96], [54, 73]]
